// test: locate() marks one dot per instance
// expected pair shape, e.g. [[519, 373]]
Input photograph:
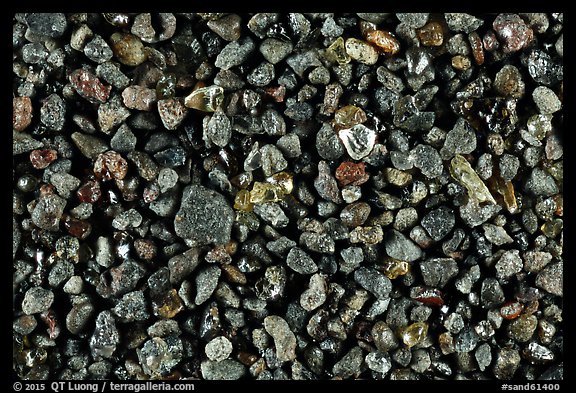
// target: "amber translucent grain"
[[414, 334], [384, 41]]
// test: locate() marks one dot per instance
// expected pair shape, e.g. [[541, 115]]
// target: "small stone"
[[90, 146], [509, 264], [139, 98], [128, 49], [65, 183], [352, 257], [79, 316], [318, 242], [272, 213], [506, 364], [123, 141], [124, 278], [326, 185], [263, 192], [361, 51], [98, 50], [40, 159], [466, 340], [110, 72], [235, 53], [546, 100], [461, 63], [400, 247], [496, 234], [536, 353], [262, 75], [477, 48], [534, 261], [289, 145], [147, 168], [513, 31], [368, 235], [53, 112], [508, 82], [508, 165], [316, 294], [164, 328], [551, 279], [413, 19], [437, 272], [420, 361], [281, 246], [460, 140], [384, 338], [483, 356], [111, 114], [47, 24], [522, 328], [428, 160], [349, 365], [272, 160], [299, 111], [273, 123], [560, 45], [491, 293], [158, 356], [271, 286], [110, 165], [328, 144], [218, 349], [379, 362], [74, 285], [330, 28], [358, 141], [543, 69], [80, 37], [439, 222], [299, 261], [227, 369], [21, 113], [219, 129], [284, 339], [228, 27], [348, 116], [462, 22], [37, 300], [48, 211], [473, 214], [374, 282], [127, 219], [132, 307], [89, 86], [319, 76], [105, 337], [24, 324], [355, 214], [168, 305], [301, 61], [462, 172], [172, 113], [419, 68], [206, 282]]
